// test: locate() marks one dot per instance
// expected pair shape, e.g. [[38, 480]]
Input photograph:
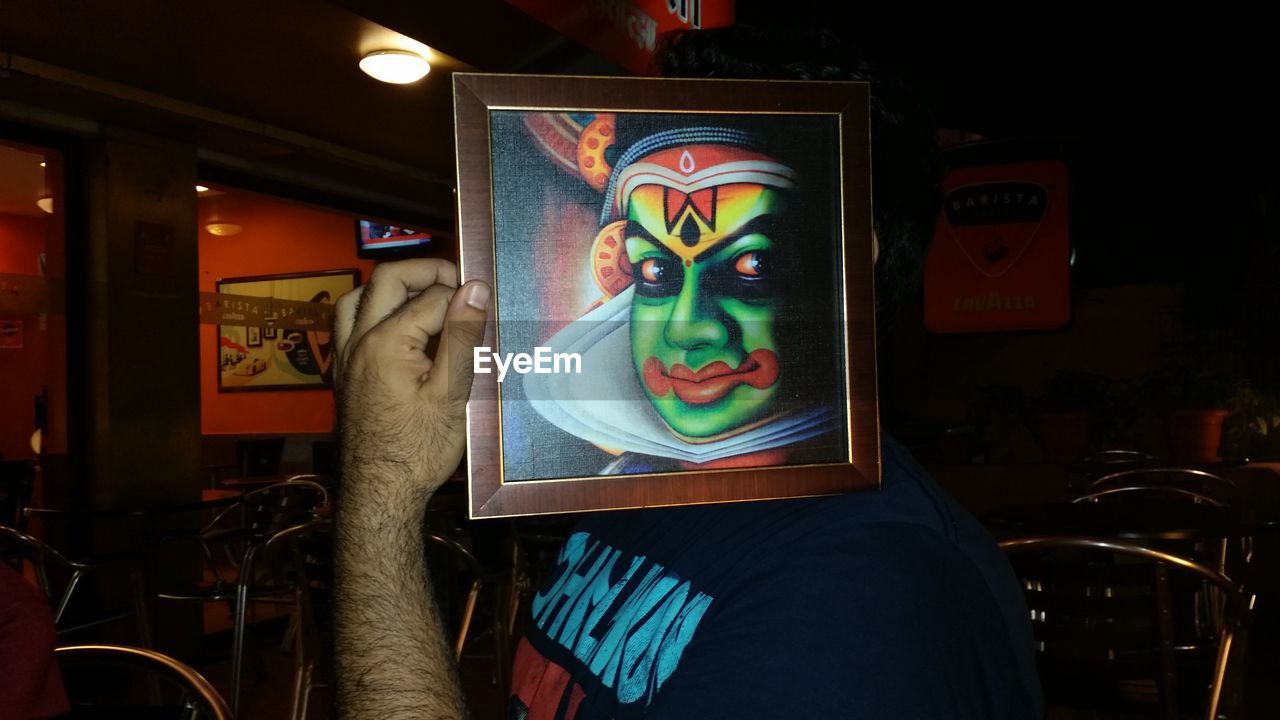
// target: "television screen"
[[377, 239]]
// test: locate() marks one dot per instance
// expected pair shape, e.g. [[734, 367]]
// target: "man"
[[30, 681], [888, 603], [711, 224]]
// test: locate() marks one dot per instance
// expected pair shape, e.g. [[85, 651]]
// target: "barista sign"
[[626, 31], [1000, 259]]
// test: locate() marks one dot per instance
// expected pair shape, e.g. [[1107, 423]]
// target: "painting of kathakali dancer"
[[281, 353], [693, 264], [692, 271]]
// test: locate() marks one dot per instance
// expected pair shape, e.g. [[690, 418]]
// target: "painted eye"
[[652, 270], [750, 264], [657, 277]]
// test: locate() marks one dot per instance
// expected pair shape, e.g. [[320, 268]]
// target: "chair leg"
[[299, 682], [141, 611], [65, 600], [289, 632], [501, 652], [237, 645], [42, 575]]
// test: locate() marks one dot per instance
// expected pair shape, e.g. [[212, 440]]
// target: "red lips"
[[713, 381]]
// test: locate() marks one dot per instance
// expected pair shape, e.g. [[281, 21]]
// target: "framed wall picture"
[[684, 310], [285, 342]]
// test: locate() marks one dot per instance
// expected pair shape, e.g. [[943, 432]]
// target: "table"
[[207, 501], [1132, 521], [252, 483]]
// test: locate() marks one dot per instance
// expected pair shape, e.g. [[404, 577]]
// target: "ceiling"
[[273, 83], [21, 181], [276, 84]]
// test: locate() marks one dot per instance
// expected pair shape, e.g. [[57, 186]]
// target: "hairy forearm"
[[390, 651]]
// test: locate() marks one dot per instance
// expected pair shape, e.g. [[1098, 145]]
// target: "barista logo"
[[995, 223], [994, 203]]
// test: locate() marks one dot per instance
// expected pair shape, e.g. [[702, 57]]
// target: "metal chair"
[[242, 530], [1104, 614], [1201, 482], [309, 548], [18, 546], [101, 690]]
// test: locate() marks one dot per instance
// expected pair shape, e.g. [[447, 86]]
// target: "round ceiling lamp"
[[395, 66], [223, 229], [45, 203]]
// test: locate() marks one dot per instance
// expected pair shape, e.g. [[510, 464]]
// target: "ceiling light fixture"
[[395, 66], [223, 229], [42, 163], [45, 203], [202, 188]]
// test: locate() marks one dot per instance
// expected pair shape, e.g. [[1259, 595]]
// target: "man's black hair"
[[905, 171]]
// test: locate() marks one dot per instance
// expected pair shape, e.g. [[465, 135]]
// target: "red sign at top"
[[626, 31]]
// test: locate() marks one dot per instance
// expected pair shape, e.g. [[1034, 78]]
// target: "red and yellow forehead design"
[[689, 224], [693, 196]]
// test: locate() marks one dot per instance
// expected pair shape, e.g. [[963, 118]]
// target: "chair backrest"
[[1198, 481], [98, 676], [268, 510], [1142, 493], [17, 478], [1104, 615], [1116, 459], [259, 457]]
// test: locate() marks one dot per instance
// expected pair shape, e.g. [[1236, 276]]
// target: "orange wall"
[[22, 371], [278, 237]]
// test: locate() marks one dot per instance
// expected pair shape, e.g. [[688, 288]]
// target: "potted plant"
[[1082, 410], [1252, 427], [1195, 403]]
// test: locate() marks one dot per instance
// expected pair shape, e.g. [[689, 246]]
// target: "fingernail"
[[477, 296]]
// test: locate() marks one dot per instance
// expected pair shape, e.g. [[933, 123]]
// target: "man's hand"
[[403, 413], [403, 423]]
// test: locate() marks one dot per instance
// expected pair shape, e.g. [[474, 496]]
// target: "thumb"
[[450, 380]]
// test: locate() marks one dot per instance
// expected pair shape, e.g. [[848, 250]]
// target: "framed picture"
[[285, 342], [683, 307]]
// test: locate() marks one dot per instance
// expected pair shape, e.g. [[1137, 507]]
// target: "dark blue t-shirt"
[[880, 604]]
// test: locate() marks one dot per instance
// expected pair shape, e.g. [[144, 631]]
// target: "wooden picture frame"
[[669, 162], [284, 342]]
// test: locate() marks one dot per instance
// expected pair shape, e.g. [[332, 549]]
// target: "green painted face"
[[703, 336]]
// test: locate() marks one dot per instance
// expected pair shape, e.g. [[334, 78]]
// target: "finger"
[[392, 284], [403, 337], [344, 317], [450, 381]]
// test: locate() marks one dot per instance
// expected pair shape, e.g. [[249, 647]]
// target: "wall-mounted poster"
[[297, 356], [684, 307], [1001, 254]]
